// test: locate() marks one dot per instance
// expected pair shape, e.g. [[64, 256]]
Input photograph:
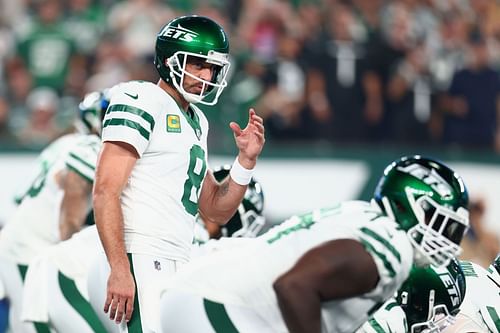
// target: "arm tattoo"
[[223, 189]]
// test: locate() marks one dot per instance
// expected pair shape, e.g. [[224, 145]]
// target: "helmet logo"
[[451, 287], [179, 33], [429, 177]]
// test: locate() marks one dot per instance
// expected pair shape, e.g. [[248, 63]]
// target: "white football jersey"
[[35, 223], [482, 297], [244, 275], [160, 200], [390, 318]]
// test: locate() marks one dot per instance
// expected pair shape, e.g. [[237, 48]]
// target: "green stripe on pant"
[[135, 324], [79, 303], [218, 317]]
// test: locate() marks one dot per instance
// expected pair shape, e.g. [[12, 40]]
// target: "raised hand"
[[249, 140]]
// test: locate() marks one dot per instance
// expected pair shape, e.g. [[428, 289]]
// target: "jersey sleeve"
[[82, 158], [130, 116], [389, 318]]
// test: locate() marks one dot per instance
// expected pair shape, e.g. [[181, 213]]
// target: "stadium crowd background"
[[423, 73], [406, 71]]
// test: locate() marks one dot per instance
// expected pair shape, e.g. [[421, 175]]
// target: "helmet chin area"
[[211, 90], [439, 230]]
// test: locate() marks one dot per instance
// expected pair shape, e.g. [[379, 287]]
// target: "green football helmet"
[[248, 220], [429, 201], [431, 297], [496, 263], [194, 36], [91, 111], [495, 268]]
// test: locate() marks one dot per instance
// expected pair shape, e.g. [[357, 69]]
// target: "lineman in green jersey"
[[328, 270], [55, 206], [480, 311], [427, 302], [152, 177]]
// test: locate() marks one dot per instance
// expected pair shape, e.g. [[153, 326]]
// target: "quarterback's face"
[[201, 70]]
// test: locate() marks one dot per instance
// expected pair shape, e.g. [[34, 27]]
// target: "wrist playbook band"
[[239, 174]]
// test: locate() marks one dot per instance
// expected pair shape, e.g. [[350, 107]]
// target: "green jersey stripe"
[[127, 108], [79, 303], [129, 123], [370, 248], [376, 326], [382, 241], [81, 160], [391, 305], [494, 316], [135, 323], [218, 317], [81, 174]]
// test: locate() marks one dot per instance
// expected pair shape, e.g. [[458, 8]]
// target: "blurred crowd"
[[402, 71]]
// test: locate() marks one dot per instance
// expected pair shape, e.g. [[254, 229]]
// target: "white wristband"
[[239, 174]]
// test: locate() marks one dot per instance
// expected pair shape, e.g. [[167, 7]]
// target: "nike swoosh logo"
[[132, 96]]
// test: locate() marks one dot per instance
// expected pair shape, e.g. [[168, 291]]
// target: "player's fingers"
[[112, 309], [129, 309], [260, 127], [120, 309], [257, 119], [251, 113], [260, 136], [107, 303], [235, 127]]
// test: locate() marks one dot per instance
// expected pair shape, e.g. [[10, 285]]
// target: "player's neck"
[[169, 89]]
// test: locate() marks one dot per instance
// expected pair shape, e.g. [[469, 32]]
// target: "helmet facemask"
[[437, 235], [428, 200], [211, 90], [251, 223], [438, 319]]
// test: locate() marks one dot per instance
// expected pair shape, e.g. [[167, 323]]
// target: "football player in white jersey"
[[55, 206], [330, 269], [152, 177], [480, 311], [55, 287], [427, 302]]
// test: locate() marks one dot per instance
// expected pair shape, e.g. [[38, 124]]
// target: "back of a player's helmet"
[[248, 220], [91, 111], [431, 296], [193, 36], [428, 200], [496, 263]]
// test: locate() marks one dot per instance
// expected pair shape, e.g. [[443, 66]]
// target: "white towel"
[[35, 294]]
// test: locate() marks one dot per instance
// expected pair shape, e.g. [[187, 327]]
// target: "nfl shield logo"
[[157, 265]]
